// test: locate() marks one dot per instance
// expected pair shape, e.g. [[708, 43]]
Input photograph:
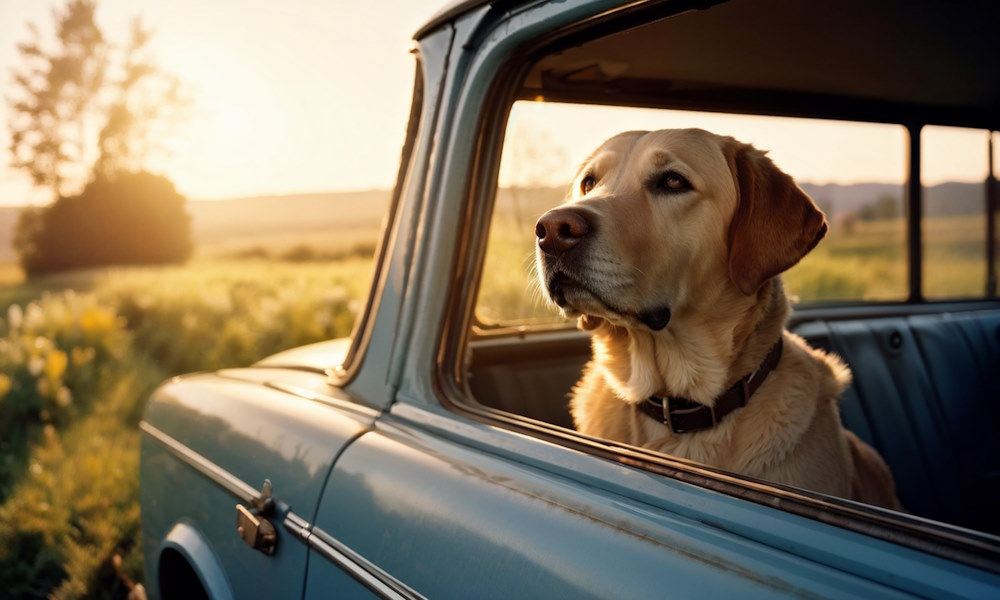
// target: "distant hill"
[[340, 219], [838, 200], [956, 199], [940, 200], [261, 220]]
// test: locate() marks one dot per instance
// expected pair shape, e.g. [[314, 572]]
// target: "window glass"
[[854, 172], [954, 166]]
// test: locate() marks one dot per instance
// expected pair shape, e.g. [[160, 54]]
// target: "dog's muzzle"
[[561, 233]]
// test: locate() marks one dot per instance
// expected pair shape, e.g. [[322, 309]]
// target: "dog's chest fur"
[[788, 415]]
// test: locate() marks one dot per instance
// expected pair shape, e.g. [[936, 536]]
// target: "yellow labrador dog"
[[668, 249]]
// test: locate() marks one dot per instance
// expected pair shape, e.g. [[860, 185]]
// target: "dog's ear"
[[775, 223]]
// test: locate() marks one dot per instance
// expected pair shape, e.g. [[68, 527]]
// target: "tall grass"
[[955, 251], [865, 260], [75, 370]]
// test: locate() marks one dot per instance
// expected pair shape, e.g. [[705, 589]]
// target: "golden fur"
[[668, 250]]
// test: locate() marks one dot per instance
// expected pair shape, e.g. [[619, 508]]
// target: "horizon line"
[[388, 190]]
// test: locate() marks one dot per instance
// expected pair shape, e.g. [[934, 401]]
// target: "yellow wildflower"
[[55, 364], [5, 384], [96, 321]]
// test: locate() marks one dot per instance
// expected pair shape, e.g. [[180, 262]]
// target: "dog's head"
[[656, 221]]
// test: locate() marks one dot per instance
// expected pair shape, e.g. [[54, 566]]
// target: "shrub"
[[300, 253], [129, 219]]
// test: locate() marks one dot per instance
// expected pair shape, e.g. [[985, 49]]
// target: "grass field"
[[80, 353]]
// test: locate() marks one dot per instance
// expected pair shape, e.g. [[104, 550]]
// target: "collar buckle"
[[675, 417], [665, 403]]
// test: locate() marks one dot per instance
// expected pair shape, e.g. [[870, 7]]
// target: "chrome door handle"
[[252, 525]]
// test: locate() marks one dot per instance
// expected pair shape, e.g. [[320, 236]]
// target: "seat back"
[[926, 395]]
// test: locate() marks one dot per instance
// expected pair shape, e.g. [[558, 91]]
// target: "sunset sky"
[[306, 96], [289, 96]]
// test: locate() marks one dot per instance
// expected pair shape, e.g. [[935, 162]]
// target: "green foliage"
[[131, 218], [75, 370], [256, 308], [53, 355], [509, 290], [304, 253], [68, 476], [867, 263], [884, 208], [955, 251], [73, 512]]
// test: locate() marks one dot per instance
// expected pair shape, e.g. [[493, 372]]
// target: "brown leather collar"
[[682, 415]]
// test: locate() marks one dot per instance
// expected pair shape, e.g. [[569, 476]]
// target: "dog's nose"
[[559, 230]]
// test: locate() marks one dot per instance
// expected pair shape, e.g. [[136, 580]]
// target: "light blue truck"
[[430, 455]]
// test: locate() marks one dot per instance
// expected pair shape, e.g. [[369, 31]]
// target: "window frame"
[[449, 377]]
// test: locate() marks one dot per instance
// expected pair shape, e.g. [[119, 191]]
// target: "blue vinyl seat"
[[926, 394]]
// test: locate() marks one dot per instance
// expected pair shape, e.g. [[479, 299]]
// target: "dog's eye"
[[671, 181], [587, 184]]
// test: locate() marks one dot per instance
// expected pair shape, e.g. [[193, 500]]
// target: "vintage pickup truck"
[[431, 454]]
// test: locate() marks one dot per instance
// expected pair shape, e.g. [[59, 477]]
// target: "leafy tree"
[[142, 97], [56, 97], [886, 207], [81, 120]]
